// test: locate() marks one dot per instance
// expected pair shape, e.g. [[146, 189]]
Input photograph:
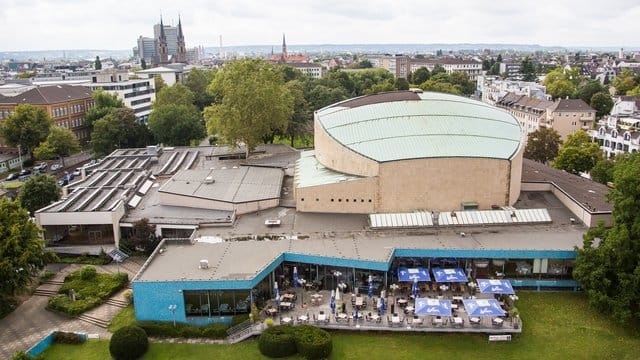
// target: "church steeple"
[[181, 55], [283, 56], [163, 48]]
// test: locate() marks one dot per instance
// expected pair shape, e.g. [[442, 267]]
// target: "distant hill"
[[254, 50]]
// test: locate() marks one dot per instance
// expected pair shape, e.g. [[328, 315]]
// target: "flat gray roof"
[[232, 185], [243, 260]]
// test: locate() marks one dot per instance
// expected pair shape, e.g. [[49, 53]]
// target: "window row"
[[340, 200], [6, 113], [216, 302]]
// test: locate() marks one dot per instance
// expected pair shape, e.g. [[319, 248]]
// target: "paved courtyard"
[[30, 322]]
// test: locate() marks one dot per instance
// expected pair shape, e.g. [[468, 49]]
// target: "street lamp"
[[173, 308]]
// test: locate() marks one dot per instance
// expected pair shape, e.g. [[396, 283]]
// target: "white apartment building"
[[617, 134], [493, 88], [137, 94], [472, 68], [312, 70]]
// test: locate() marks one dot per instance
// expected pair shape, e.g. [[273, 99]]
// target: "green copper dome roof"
[[407, 125]]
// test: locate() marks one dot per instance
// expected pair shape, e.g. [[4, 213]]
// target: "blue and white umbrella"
[[276, 294], [414, 288], [381, 306], [495, 286], [432, 307], [406, 275], [449, 275], [295, 276], [370, 286], [483, 307], [332, 304]]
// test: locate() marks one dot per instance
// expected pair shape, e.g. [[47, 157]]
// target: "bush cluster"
[[88, 272], [91, 289], [277, 341], [63, 337], [308, 341], [166, 329], [128, 343], [313, 342]]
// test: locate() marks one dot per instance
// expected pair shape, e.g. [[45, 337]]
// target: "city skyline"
[[71, 24]]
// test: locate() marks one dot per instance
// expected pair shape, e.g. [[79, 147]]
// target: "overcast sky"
[[111, 24]]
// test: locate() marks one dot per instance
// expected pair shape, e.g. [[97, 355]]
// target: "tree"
[[528, 70], [443, 87], [461, 80], [300, 123], [437, 69], [39, 191], [624, 82], [634, 92], [589, 88], [255, 103], [562, 83], [143, 235], [608, 266], [420, 75], [577, 154], [602, 171], [97, 64], [158, 83], [27, 127], [320, 96], [401, 84], [176, 124], [499, 58], [118, 129], [104, 103], [61, 142], [365, 64], [143, 63], [602, 103], [177, 94], [495, 69], [197, 82], [542, 145], [22, 253]]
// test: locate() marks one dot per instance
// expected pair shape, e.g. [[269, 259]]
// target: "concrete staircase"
[[94, 320]]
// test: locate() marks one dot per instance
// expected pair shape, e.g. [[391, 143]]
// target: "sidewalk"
[[30, 322]]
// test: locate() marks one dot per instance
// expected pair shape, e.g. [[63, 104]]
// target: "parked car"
[[12, 177], [25, 172], [56, 167], [41, 168]]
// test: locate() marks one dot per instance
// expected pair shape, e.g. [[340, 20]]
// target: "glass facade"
[[210, 303]]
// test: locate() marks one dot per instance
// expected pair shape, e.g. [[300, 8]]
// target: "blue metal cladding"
[[152, 298]]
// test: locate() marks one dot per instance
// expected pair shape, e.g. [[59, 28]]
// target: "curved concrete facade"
[[487, 177]]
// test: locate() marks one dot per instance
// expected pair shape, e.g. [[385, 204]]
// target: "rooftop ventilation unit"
[[204, 264], [209, 180]]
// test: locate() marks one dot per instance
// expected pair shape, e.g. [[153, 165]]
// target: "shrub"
[[277, 341], [269, 322], [128, 295], [313, 342], [88, 272], [21, 355], [46, 275], [166, 329], [128, 343], [63, 337]]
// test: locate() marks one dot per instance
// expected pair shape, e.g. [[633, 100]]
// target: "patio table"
[[444, 287], [410, 308], [437, 321], [497, 321], [474, 320], [286, 320], [285, 305], [303, 318], [322, 317], [359, 300], [395, 319]]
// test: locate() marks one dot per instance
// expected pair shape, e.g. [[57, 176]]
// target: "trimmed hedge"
[[313, 342], [285, 340], [166, 329], [91, 289], [128, 343], [277, 341]]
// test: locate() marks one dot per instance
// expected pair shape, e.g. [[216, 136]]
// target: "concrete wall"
[[337, 157], [354, 196], [515, 177], [442, 184]]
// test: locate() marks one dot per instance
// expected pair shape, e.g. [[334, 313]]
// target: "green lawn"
[[125, 317], [556, 326]]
